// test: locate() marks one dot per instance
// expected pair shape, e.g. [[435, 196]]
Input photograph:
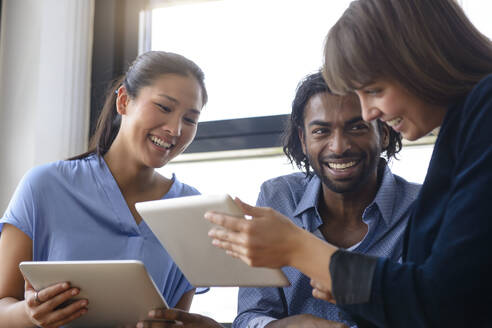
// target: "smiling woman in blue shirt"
[[417, 65], [84, 208]]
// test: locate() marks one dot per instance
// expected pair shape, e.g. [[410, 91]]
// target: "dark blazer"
[[446, 277]]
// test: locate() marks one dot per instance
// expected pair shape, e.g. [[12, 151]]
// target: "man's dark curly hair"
[[308, 87]]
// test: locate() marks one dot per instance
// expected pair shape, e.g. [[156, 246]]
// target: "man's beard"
[[342, 187]]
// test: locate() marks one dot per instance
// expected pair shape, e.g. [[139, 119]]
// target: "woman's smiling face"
[[161, 121], [391, 103]]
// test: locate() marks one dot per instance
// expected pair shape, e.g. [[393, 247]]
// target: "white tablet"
[[179, 225], [120, 293]]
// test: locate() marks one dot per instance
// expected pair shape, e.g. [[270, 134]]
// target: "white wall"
[[45, 64]]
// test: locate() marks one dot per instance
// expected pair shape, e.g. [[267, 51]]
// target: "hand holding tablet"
[[267, 240], [54, 305], [180, 226], [119, 293]]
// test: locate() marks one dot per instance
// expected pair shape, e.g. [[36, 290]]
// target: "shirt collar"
[[310, 196], [309, 202], [385, 197]]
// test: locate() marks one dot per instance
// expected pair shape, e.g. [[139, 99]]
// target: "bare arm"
[[15, 247], [185, 301], [18, 304]]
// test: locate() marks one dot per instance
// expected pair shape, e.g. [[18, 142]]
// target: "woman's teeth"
[[341, 166], [394, 121], [159, 142]]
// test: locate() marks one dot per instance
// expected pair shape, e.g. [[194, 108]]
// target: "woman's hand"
[[42, 307], [322, 291], [272, 240], [167, 318], [268, 240]]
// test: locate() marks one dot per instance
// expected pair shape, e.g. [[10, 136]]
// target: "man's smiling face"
[[342, 148]]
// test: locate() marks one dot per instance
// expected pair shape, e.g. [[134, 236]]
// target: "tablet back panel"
[[120, 293], [179, 225]]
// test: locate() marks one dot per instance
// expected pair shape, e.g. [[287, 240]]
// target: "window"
[[478, 12], [253, 52]]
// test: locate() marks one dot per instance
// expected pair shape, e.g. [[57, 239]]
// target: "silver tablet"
[[179, 225], [120, 293]]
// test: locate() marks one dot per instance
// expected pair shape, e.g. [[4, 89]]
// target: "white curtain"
[[45, 66]]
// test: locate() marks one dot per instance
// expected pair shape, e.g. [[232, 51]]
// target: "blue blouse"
[[74, 210]]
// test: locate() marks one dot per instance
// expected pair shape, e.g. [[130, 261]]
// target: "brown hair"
[[143, 72], [428, 46]]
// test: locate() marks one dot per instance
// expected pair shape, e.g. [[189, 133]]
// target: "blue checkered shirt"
[[295, 196]]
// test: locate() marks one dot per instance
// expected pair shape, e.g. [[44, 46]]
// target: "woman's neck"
[[131, 177]]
